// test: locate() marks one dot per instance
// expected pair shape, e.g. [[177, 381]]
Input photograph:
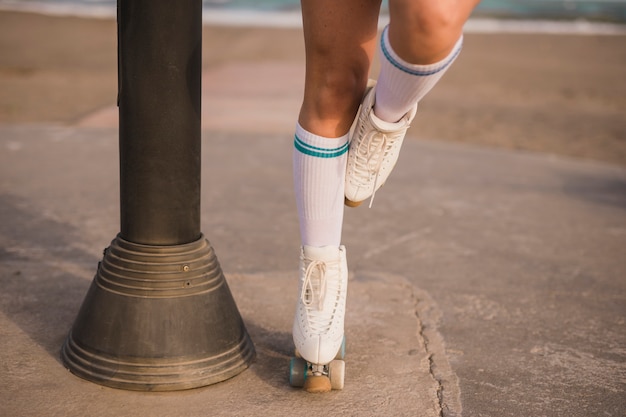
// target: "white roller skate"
[[318, 332], [374, 150]]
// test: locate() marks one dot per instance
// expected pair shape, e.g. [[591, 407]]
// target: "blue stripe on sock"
[[319, 152], [401, 67]]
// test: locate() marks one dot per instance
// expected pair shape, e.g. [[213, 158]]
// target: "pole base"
[[158, 318]]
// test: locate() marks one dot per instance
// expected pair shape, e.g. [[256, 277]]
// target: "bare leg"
[[425, 31], [340, 39]]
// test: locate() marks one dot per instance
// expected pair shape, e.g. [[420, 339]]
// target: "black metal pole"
[[160, 59], [159, 315]]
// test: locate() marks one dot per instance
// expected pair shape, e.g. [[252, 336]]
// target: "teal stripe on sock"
[[412, 71], [319, 152]]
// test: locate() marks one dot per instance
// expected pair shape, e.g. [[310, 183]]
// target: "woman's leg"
[[422, 40], [423, 31], [340, 39], [340, 42]]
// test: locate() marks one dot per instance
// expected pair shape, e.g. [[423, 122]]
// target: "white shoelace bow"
[[314, 288]]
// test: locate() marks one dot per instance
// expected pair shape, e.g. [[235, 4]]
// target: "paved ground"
[[491, 281]]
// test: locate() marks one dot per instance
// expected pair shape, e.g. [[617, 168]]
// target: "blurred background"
[[603, 10], [535, 75]]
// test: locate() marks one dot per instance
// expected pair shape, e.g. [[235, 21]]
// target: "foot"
[[374, 149], [318, 324]]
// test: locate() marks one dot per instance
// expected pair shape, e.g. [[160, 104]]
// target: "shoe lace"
[[370, 154], [314, 286], [314, 290]]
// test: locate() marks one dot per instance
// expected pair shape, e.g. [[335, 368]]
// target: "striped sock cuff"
[[319, 169], [318, 146], [414, 69]]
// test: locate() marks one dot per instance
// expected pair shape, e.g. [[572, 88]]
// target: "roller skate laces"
[[374, 150], [318, 328]]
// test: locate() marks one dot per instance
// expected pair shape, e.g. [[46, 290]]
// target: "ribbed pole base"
[[158, 318]]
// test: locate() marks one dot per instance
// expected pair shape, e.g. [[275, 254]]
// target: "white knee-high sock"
[[319, 169], [401, 84]]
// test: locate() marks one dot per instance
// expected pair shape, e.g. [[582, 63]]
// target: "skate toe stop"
[[351, 203]]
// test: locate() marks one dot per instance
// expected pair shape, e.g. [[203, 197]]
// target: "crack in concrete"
[[428, 315]]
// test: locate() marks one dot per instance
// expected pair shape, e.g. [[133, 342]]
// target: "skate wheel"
[[336, 374], [341, 354], [297, 372], [317, 384]]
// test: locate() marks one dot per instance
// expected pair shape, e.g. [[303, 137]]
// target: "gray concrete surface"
[[483, 282]]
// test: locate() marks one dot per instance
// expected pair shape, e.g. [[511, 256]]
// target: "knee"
[[333, 94], [433, 18], [336, 76], [339, 88], [336, 73], [430, 26]]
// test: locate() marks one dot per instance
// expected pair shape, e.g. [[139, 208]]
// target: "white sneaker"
[[318, 324], [374, 149]]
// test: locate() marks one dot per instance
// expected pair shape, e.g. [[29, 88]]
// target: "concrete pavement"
[[483, 282], [487, 281], [59, 210]]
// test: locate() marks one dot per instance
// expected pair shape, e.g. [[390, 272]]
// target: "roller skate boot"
[[318, 331], [374, 149]]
